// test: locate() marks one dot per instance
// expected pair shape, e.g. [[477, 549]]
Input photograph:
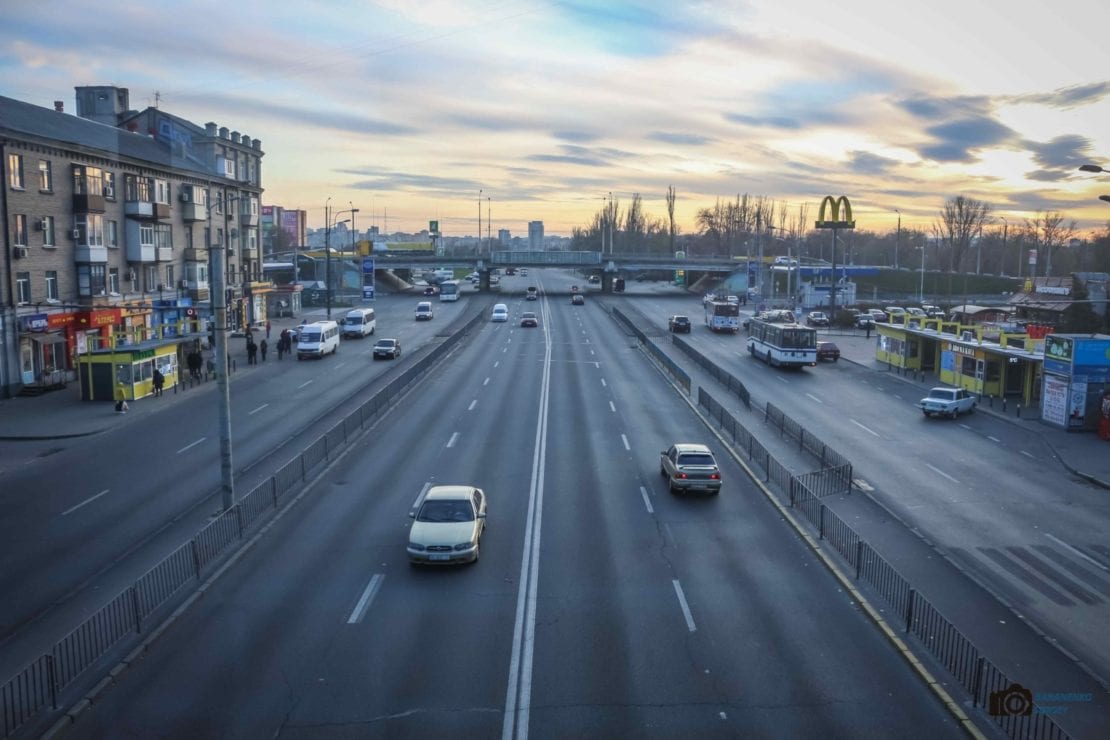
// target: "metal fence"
[[722, 376], [672, 368], [917, 616], [40, 684]]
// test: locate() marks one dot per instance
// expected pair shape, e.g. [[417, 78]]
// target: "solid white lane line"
[[1028, 454], [685, 607], [597, 365], [252, 413], [191, 445], [472, 405], [339, 365], [603, 383], [591, 351], [302, 385], [626, 445], [485, 382], [647, 501], [368, 595], [938, 471], [1078, 552], [454, 438], [861, 426], [815, 398], [497, 363], [612, 407], [965, 426], [89, 500], [420, 496], [781, 379], [993, 439]]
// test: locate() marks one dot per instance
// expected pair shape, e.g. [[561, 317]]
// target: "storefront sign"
[[1054, 402], [1094, 352], [35, 322], [1058, 348], [1053, 289], [61, 320], [101, 318]]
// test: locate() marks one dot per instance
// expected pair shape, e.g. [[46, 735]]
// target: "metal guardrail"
[[722, 376], [676, 372], [981, 679], [41, 683]]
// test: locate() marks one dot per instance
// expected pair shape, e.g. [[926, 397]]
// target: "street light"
[[1091, 168], [921, 289], [327, 250], [897, 238], [1105, 198]]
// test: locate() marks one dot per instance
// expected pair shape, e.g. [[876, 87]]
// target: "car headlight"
[[464, 546], [416, 546]]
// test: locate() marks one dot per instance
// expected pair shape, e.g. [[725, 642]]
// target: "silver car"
[[690, 467], [448, 525]]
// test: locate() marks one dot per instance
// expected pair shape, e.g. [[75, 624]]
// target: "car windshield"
[[310, 335], [446, 510], [385, 344], [695, 458]]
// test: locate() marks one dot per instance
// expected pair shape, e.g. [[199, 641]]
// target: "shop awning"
[[47, 338]]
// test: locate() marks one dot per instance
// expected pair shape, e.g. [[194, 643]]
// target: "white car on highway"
[[448, 526], [949, 402]]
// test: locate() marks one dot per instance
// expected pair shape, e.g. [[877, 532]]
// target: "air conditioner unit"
[[76, 233], [18, 252]]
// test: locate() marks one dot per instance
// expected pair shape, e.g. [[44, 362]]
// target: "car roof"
[[385, 340], [449, 492], [690, 447], [529, 313]]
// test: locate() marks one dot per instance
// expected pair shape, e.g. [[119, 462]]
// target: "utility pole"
[[219, 329], [1002, 260], [327, 254], [479, 221], [897, 238], [611, 219]]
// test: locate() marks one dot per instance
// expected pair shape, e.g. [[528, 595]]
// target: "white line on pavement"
[[603, 383], [647, 501], [454, 438], [1078, 552], [420, 496], [89, 500], [591, 351], [302, 385], [938, 471], [597, 365], [1028, 454], [815, 398], [497, 363], [485, 382], [612, 407], [339, 365], [191, 446], [368, 595], [685, 607], [965, 426], [861, 426], [626, 445], [781, 379], [252, 413], [472, 405], [993, 439]]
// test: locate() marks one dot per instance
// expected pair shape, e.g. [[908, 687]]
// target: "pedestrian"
[[267, 331], [281, 345], [159, 381], [262, 348], [252, 350]]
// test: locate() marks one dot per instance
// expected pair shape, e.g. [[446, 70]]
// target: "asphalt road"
[[601, 606], [985, 491]]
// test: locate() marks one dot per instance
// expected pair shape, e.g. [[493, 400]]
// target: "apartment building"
[[111, 217]]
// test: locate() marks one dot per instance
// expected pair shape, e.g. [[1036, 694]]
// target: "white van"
[[500, 313], [317, 339], [359, 322], [424, 311]]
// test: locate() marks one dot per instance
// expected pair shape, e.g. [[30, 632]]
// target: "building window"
[[90, 229], [150, 275], [110, 185], [138, 188], [87, 180], [197, 272], [252, 239], [113, 233], [170, 277], [19, 230], [52, 285], [163, 236], [188, 237], [48, 231], [90, 279], [146, 235], [46, 176], [162, 191], [254, 206], [113, 280], [15, 171], [23, 288]]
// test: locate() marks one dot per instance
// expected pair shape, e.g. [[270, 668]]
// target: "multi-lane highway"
[[602, 605]]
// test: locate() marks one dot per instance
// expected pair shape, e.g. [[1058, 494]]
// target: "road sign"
[[433, 226], [368, 292]]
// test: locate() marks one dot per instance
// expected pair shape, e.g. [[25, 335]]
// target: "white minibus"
[[317, 339], [359, 322]]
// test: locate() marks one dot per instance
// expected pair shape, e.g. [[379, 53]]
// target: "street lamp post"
[[327, 254], [897, 238], [921, 289], [479, 250], [1002, 260]]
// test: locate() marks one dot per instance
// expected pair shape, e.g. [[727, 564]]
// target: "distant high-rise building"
[[535, 235], [503, 237]]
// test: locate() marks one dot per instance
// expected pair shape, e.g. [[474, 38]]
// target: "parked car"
[[524, 272], [679, 324], [865, 321], [786, 261], [817, 318], [878, 315], [424, 311], [448, 526], [690, 467], [387, 349], [593, 279], [529, 319], [950, 402], [577, 300], [915, 311], [827, 351]]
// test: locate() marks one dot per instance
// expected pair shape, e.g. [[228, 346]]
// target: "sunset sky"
[[412, 107]]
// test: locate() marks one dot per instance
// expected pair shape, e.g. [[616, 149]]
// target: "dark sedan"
[[679, 324], [529, 319], [827, 351]]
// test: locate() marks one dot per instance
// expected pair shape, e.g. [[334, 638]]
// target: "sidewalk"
[[62, 414], [1082, 453]]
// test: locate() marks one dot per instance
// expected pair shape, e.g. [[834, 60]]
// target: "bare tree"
[[959, 220], [800, 227], [1050, 233], [634, 224], [670, 216]]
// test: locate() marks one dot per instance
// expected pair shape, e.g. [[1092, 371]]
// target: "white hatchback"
[[500, 313]]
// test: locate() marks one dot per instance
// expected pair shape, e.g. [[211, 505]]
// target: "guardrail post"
[[135, 609], [52, 679], [821, 522], [301, 457], [791, 487], [273, 489], [1003, 404], [909, 608], [196, 557], [1019, 411], [859, 557], [977, 684], [239, 519]]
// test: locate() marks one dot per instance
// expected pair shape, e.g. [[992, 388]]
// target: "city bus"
[[722, 315], [449, 290], [778, 341]]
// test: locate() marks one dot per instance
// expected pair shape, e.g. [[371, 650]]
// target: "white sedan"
[[448, 525]]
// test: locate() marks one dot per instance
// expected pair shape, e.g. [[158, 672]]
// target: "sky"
[[414, 111]]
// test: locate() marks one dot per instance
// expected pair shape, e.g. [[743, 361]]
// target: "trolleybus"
[[782, 344], [721, 315]]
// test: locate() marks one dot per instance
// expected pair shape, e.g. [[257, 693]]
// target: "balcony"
[[248, 219], [163, 254], [194, 212], [84, 253], [146, 209], [88, 203], [199, 295], [195, 254]]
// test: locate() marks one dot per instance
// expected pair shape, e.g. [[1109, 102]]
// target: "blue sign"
[[368, 292], [1094, 352]]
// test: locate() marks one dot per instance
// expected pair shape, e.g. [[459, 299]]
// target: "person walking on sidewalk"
[[267, 332], [159, 381], [252, 353], [281, 345], [262, 347]]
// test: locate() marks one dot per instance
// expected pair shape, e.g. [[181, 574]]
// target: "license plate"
[[438, 556]]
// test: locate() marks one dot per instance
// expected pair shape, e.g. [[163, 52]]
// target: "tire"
[[927, 414], [971, 409], [955, 414], [662, 471]]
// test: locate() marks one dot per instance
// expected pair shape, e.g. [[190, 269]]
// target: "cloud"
[[379, 180], [1064, 152], [933, 108], [866, 163], [764, 121], [1068, 97], [577, 136], [957, 141], [643, 29], [329, 118], [681, 139]]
